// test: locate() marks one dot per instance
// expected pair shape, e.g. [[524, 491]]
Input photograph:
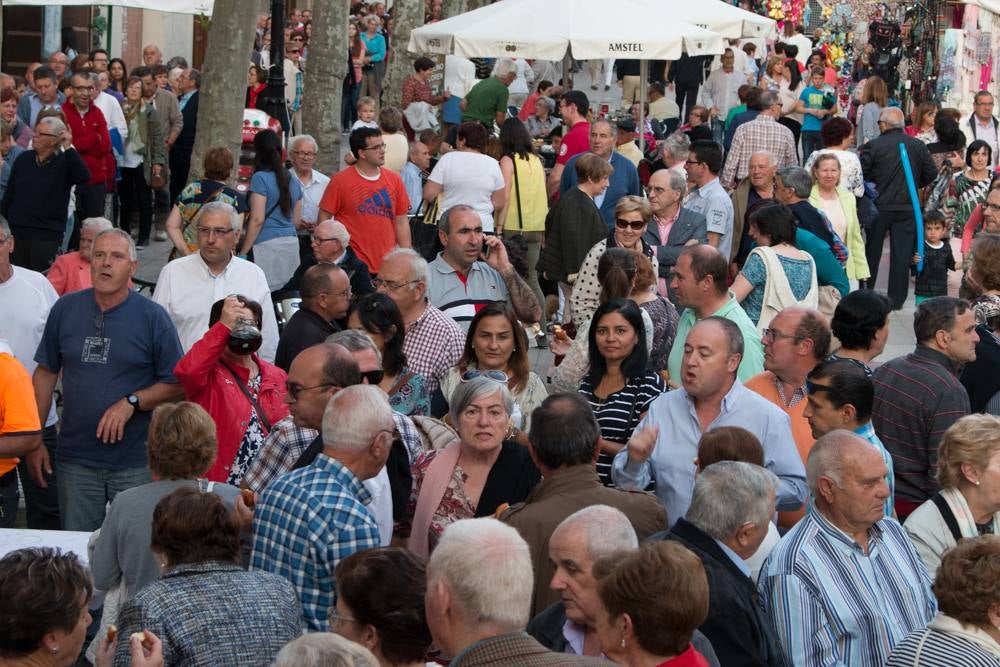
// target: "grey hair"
[[115, 231], [768, 99], [606, 528], [677, 146], [494, 587], [5, 227], [677, 182], [101, 224], [892, 116], [444, 223], [547, 101], [324, 649], [354, 416], [174, 73], [827, 458], [772, 159], [355, 341], [798, 179], [612, 125], [52, 123], [465, 393], [729, 494], [337, 231], [294, 142], [412, 147], [504, 67], [220, 208], [418, 265]]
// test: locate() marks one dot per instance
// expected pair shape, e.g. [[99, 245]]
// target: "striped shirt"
[[619, 413], [832, 604], [932, 648], [305, 523], [461, 297], [917, 397]]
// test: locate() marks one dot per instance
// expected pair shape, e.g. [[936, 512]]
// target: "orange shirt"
[[763, 384], [368, 208], [18, 411]]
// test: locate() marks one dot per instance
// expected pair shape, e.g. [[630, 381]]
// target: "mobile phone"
[[486, 250]]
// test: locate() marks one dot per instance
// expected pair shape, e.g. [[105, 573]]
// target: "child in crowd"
[[366, 114], [938, 260]]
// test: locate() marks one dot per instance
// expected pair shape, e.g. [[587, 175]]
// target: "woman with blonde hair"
[[874, 97], [968, 504]]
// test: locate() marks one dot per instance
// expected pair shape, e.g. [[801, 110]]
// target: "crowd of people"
[[716, 468]]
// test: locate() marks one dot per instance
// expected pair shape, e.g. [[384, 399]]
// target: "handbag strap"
[[517, 192], [948, 516], [246, 392]]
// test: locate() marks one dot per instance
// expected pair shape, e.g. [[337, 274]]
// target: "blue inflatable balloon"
[[918, 215]]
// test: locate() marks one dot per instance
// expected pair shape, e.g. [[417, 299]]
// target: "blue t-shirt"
[[104, 359], [276, 224], [813, 97]]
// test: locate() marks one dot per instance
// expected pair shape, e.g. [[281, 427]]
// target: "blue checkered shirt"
[[304, 524]]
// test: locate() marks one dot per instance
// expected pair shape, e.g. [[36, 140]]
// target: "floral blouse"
[[409, 396]]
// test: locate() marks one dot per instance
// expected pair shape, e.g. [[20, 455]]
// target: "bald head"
[[847, 479], [892, 117]]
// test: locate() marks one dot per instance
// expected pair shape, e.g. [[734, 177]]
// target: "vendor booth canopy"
[[173, 6], [544, 29]]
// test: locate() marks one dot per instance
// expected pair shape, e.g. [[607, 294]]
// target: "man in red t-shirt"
[[370, 201], [573, 108]]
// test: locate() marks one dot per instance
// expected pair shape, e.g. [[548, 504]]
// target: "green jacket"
[[857, 265]]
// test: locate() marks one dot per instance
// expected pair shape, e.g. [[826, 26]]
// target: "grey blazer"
[[689, 225]]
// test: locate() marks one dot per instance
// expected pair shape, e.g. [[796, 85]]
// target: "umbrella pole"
[[643, 76]]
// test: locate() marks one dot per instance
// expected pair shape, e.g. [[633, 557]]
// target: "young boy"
[[366, 114], [813, 102], [933, 279]]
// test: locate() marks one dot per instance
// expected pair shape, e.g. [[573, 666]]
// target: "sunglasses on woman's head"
[[498, 376], [634, 224]]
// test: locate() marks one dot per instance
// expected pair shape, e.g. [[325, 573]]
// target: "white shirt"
[[113, 114], [311, 194], [26, 299], [459, 75], [187, 290], [722, 90], [381, 504], [469, 178]]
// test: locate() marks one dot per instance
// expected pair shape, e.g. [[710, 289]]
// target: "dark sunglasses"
[[634, 224], [373, 377]]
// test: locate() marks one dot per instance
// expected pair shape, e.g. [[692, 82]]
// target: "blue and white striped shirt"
[[304, 524], [832, 604]]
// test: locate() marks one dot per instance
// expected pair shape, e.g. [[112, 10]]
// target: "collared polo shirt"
[[460, 299], [712, 202]]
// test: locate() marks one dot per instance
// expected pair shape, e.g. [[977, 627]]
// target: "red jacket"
[[207, 383], [90, 139]]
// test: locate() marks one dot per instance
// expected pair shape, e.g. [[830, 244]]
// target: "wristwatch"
[[133, 400]]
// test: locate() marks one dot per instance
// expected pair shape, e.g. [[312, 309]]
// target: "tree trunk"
[[223, 82], [406, 15], [452, 8], [324, 83]]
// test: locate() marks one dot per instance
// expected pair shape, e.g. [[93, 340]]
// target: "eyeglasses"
[[304, 154], [346, 294], [334, 616], [46, 134], [654, 189], [379, 147], [636, 225], [213, 231], [496, 376], [693, 162], [378, 283], [991, 207], [769, 335], [373, 377], [294, 389], [317, 240]]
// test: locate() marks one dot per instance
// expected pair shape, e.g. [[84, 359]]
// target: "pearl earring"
[[623, 643], [977, 482]]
